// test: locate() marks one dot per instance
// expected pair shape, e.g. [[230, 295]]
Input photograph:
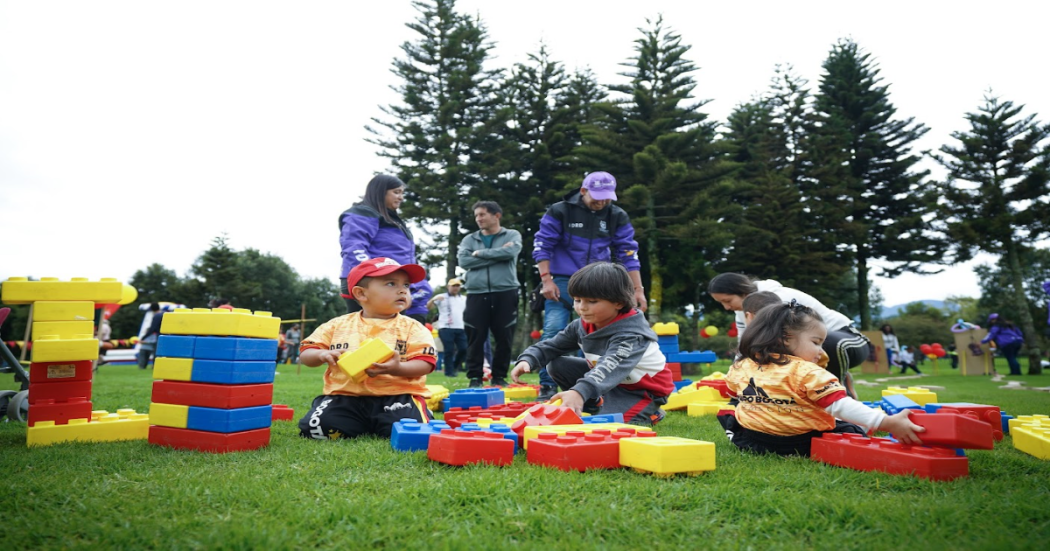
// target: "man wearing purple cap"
[[583, 228]]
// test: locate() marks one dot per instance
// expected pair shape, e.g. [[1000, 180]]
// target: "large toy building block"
[[176, 346], [667, 455], [57, 412], [222, 322], [855, 451], [213, 371], [575, 451], [210, 419], [620, 429], [602, 418], [59, 392], [1031, 435], [355, 362], [409, 435], [124, 425], [214, 442], [919, 395], [282, 412], [718, 384], [212, 395], [19, 290], [1005, 418], [459, 448], [543, 415], [676, 372], [497, 428], [953, 430], [701, 409], [694, 395], [521, 391], [694, 357], [50, 348], [989, 414], [60, 372], [62, 329], [662, 329], [235, 349], [457, 416], [481, 397], [79, 310], [895, 403], [668, 343], [438, 394]]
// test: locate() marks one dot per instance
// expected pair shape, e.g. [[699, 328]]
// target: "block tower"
[[667, 339], [213, 380], [64, 351]]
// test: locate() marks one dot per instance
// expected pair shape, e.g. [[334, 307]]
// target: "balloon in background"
[[926, 349], [536, 334], [711, 330]]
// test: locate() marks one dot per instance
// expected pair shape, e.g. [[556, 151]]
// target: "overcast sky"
[[135, 132]]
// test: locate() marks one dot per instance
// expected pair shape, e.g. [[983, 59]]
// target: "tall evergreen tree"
[[443, 139], [861, 179], [996, 196]]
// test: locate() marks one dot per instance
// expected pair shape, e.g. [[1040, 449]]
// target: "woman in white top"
[[451, 330], [845, 346], [889, 340]]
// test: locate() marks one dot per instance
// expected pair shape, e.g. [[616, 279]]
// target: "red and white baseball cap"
[[381, 266]]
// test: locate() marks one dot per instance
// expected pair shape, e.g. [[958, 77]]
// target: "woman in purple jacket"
[[372, 228], [1008, 339]]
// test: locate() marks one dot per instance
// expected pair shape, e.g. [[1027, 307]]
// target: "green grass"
[[300, 493]]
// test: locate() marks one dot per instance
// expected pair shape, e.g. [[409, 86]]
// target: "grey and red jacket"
[[364, 234], [572, 236]]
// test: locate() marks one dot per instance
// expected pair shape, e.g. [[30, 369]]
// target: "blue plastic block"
[[483, 397], [1006, 421], [175, 346], [680, 384], [235, 348], [694, 357], [667, 339], [604, 418], [444, 405], [232, 373], [229, 420], [669, 349], [895, 403], [409, 435], [932, 408]]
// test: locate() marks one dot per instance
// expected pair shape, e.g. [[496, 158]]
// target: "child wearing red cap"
[[395, 389]]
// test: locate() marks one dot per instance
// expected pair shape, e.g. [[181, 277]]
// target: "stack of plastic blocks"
[[409, 435], [481, 397], [1031, 435], [895, 403], [458, 415], [611, 446], [919, 395], [214, 380], [64, 351], [462, 447]]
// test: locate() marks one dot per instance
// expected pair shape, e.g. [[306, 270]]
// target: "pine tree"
[[996, 196], [859, 174]]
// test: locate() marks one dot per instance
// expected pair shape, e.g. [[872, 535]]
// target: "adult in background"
[[583, 228], [845, 346], [489, 255], [889, 339], [148, 344], [420, 293], [451, 331], [1008, 339], [291, 341], [372, 228]]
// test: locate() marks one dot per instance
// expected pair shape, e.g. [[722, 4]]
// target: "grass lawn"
[[300, 493]]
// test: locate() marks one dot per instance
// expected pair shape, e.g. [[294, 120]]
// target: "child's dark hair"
[[375, 194], [764, 339], [605, 281], [757, 301], [731, 284]]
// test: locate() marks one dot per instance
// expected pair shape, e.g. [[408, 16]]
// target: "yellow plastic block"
[[62, 329], [714, 376], [106, 428], [1032, 438], [221, 322], [49, 348], [64, 311], [667, 455], [693, 395], [19, 290], [437, 394], [531, 432], [169, 415], [666, 328], [1043, 420], [173, 369], [519, 392], [355, 363], [486, 422], [918, 395], [700, 409]]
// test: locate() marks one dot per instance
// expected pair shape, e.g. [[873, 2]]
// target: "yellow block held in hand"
[[371, 352]]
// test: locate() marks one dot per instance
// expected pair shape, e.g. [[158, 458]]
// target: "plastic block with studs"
[[693, 395], [19, 290], [702, 409], [668, 343], [78, 310], [169, 415], [221, 322], [662, 329], [60, 372], [438, 393], [855, 451], [919, 395], [456, 416], [62, 329], [210, 419], [454, 447], [528, 392], [49, 348], [694, 357], [282, 412], [1032, 437], [586, 428], [213, 371], [895, 403], [59, 412], [953, 430], [211, 395], [989, 414], [575, 451], [59, 392], [355, 362], [667, 455], [176, 346], [717, 384], [235, 348], [543, 415], [496, 427], [480, 397], [409, 435], [213, 442], [123, 425], [603, 418]]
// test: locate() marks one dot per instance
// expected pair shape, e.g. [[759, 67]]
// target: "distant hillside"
[[890, 311]]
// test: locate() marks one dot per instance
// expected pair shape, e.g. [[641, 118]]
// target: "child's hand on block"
[[520, 369], [389, 367], [569, 399], [357, 362], [902, 428]]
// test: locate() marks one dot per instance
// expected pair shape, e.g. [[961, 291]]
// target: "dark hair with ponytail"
[[765, 339], [732, 284]]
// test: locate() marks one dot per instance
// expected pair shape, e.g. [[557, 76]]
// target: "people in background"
[[1008, 340]]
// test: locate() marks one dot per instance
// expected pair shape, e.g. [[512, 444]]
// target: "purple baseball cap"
[[600, 185]]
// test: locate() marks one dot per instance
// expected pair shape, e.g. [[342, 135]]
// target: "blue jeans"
[[455, 343], [556, 316]]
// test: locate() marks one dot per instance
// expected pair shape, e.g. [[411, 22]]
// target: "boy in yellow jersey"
[[394, 389]]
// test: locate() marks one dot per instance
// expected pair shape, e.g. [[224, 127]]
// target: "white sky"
[[134, 132]]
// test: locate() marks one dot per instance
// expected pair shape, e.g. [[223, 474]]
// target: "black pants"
[[846, 348], [496, 313], [336, 416], [760, 442]]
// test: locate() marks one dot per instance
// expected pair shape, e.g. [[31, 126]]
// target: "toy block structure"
[[667, 340], [409, 435], [457, 416], [543, 415], [19, 290], [281, 412], [694, 357], [622, 430], [952, 430], [700, 409], [694, 395], [603, 418], [989, 414], [575, 451], [481, 397], [1005, 421], [1031, 435], [438, 394], [895, 403], [678, 385], [855, 451], [213, 388], [528, 392], [101, 427], [920, 396], [718, 384], [459, 448], [494, 427], [355, 362], [666, 329], [667, 455]]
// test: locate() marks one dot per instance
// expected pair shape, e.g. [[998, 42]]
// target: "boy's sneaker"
[[593, 407], [475, 383], [496, 381], [546, 393]]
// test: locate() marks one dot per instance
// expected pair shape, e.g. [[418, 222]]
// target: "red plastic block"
[[544, 415], [454, 447], [59, 392], [282, 412], [457, 416], [676, 370], [60, 372], [717, 384], [212, 395], [59, 412], [575, 451], [215, 442], [989, 414], [855, 451], [953, 430]]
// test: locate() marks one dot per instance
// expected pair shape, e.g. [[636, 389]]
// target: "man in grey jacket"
[[490, 256]]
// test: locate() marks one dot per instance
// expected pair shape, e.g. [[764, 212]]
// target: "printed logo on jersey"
[[402, 347]]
